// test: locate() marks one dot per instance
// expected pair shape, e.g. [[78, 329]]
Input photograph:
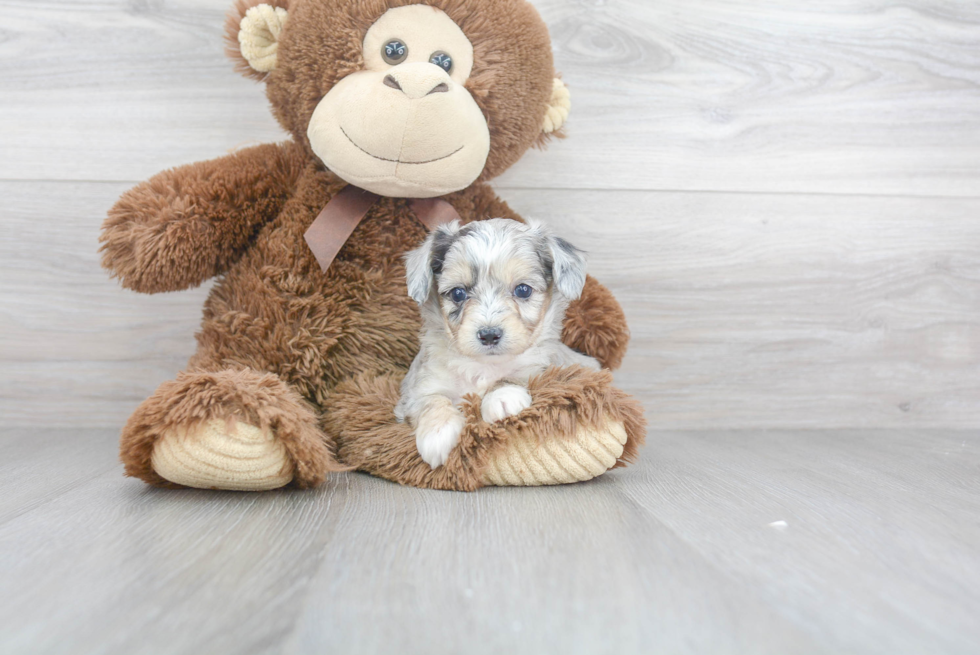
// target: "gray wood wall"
[[785, 196]]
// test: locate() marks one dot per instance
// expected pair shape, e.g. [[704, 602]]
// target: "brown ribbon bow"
[[331, 229]]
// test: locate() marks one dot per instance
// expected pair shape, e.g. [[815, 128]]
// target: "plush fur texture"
[[564, 399], [410, 128], [189, 224], [245, 395], [595, 324], [232, 26], [512, 80], [317, 356]]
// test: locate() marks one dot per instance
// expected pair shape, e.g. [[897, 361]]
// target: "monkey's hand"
[[188, 224], [595, 325]]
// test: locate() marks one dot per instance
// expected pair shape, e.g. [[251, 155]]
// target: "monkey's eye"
[[394, 52], [523, 291], [458, 294], [442, 60]]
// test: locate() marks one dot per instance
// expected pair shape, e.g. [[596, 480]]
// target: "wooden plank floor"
[[784, 196], [717, 542]]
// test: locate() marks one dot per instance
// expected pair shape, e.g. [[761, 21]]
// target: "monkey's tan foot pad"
[[529, 461], [220, 454], [578, 427], [237, 429]]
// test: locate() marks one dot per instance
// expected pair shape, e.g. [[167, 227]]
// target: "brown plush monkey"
[[297, 368]]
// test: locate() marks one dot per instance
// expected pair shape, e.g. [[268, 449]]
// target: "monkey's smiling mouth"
[[398, 161]]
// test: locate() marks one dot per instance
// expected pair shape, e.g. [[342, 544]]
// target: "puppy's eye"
[[442, 60], [394, 51], [522, 291], [458, 294]]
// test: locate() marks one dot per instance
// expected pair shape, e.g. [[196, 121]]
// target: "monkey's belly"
[[313, 334], [276, 311]]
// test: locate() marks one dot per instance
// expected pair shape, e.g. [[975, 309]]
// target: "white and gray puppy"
[[493, 296]]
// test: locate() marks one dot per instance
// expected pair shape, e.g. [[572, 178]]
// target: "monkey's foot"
[[236, 429], [219, 454], [577, 427], [529, 461]]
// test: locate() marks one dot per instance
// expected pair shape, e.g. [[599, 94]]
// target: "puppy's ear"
[[423, 264], [418, 273], [568, 267]]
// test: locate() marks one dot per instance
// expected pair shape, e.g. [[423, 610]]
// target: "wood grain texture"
[[788, 310], [866, 97], [679, 554], [861, 97], [77, 349], [120, 89]]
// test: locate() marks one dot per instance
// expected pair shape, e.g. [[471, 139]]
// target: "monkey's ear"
[[252, 35], [558, 107]]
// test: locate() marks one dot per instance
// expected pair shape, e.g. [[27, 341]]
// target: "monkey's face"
[[405, 125], [403, 99]]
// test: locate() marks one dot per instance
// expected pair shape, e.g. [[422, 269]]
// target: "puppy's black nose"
[[490, 336]]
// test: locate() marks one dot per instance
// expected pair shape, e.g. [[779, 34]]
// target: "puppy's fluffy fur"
[[493, 296]]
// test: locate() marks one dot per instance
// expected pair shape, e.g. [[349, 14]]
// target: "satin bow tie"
[[337, 221]]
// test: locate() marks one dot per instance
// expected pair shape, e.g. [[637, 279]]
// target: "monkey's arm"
[[188, 224], [595, 323]]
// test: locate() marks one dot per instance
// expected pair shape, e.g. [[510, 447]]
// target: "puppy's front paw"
[[435, 444], [509, 400]]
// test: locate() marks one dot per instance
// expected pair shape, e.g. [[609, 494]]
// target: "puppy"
[[493, 296]]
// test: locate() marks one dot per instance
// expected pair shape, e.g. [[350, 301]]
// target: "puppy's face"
[[496, 287]]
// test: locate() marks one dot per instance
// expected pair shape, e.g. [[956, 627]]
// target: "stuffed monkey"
[[399, 113]]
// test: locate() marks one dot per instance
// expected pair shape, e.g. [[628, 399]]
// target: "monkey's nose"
[[490, 336], [417, 80]]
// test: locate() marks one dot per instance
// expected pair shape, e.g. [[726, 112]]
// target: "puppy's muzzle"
[[490, 336]]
